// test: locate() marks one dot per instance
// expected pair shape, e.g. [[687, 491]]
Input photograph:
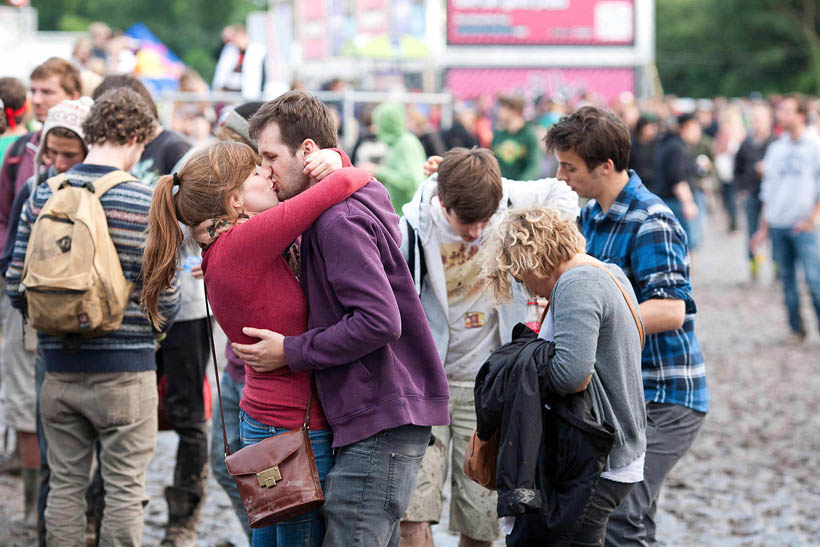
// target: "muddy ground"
[[752, 476]]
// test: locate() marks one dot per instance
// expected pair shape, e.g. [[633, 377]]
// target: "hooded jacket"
[[419, 238], [402, 170], [375, 362]]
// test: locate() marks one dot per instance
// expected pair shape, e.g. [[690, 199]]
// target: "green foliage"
[[734, 47], [190, 28]]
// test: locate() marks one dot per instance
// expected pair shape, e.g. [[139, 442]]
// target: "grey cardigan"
[[595, 330]]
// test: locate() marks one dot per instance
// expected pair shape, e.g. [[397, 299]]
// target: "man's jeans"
[[787, 249], [370, 485], [231, 394], [119, 409], [670, 431], [306, 530]]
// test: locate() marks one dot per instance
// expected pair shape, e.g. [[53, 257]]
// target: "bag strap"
[[55, 182], [216, 372], [634, 312], [306, 425], [110, 180], [632, 309], [99, 186]]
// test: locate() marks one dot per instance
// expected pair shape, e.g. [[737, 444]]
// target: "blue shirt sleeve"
[[660, 262]]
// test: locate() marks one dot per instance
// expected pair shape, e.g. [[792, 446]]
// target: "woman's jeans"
[[306, 530]]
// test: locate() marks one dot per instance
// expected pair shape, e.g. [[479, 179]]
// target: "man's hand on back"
[[266, 355]]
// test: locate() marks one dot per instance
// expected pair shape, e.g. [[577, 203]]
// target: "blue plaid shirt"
[[641, 235]]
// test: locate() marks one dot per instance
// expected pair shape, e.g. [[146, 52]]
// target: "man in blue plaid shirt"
[[626, 224]]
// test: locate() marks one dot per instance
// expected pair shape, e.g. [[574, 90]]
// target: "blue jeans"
[[693, 227], [787, 249], [753, 206], [306, 530], [370, 486], [231, 394]]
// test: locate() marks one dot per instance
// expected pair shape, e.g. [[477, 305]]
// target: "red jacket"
[[8, 187]]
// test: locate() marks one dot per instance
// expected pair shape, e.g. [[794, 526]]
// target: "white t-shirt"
[[472, 317]]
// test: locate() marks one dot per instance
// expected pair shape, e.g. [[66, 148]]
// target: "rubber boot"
[[183, 513], [31, 486], [11, 464]]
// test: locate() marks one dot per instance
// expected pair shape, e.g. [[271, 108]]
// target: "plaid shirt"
[[641, 235]]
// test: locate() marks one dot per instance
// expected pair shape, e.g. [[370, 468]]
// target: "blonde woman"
[[597, 348]]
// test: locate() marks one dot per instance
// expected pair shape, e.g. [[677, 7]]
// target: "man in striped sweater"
[[105, 387]]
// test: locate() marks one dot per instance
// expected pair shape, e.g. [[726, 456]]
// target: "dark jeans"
[[42, 495], [670, 431], [183, 357], [370, 485], [305, 530], [588, 529], [231, 394], [753, 207], [788, 249], [729, 194]]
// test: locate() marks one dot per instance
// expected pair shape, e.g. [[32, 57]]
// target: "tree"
[[733, 47], [190, 28]]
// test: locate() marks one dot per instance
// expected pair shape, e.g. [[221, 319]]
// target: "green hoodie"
[[402, 170]]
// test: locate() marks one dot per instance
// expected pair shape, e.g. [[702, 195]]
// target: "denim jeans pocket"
[[252, 431], [400, 483]]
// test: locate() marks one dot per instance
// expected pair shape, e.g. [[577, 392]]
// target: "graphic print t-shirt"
[[472, 317]]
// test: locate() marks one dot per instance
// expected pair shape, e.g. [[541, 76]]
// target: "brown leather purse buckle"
[[268, 477]]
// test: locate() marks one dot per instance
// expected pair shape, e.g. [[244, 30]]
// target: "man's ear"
[[308, 147], [608, 167]]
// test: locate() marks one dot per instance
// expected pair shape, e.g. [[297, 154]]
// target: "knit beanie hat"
[[68, 114], [237, 120]]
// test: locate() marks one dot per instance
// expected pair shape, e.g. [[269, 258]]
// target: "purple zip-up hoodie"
[[376, 365]]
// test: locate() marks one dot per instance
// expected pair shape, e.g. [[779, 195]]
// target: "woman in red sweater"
[[247, 235]]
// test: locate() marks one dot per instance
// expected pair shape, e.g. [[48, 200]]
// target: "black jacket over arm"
[[551, 449]]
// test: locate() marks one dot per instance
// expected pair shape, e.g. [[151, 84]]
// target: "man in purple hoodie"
[[376, 367]]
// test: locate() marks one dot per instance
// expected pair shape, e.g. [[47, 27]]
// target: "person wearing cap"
[[63, 146]]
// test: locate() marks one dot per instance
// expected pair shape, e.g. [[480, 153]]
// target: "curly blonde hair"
[[527, 240]]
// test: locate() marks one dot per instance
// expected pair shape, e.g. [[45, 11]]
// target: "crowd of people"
[[374, 296]]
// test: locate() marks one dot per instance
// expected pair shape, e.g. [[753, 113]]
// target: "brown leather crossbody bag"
[[277, 477]]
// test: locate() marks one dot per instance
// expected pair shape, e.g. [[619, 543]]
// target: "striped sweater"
[[131, 347]]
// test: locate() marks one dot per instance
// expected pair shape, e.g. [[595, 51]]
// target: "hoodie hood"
[[390, 121], [376, 199]]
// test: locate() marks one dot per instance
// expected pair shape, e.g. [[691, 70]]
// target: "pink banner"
[[372, 17], [540, 22], [314, 30], [607, 83]]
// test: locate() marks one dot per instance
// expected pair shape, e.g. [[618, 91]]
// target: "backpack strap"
[[15, 153], [55, 182], [414, 247], [112, 179]]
